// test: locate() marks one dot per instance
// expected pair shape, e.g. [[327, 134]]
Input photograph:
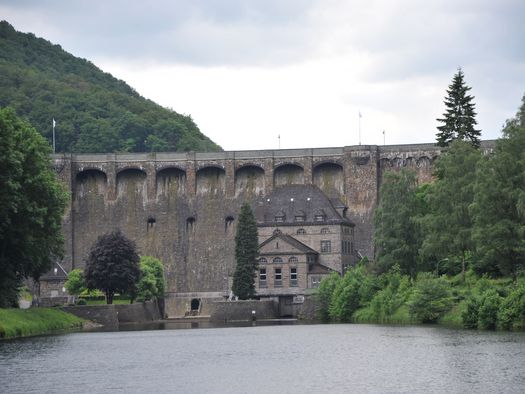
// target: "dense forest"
[[452, 251], [94, 111]]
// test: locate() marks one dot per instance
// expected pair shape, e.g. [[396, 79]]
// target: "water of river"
[[340, 358]]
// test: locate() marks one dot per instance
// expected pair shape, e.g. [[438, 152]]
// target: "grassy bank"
[[21, 323]]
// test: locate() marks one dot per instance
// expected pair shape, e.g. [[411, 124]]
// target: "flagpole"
[[279, 138], [384, 137], [54, 136], [359, 127]]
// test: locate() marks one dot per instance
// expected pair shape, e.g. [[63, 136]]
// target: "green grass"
[[34, 321]]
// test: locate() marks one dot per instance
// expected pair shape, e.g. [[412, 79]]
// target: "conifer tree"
[[246, 252], [459, 120]]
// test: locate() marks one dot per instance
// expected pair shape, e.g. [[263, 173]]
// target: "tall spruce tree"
[[246, 252], [499, 204], [459, 120]]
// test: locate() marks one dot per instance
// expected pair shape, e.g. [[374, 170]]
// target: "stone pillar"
[[151, 180], [191, 175], [307, 169], [229, 168], [111, 173], [268, 175]]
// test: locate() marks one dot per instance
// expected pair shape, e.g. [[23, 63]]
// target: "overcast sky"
[[249, 71]]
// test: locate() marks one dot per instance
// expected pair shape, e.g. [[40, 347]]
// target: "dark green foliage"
[[246, 252], [471, 314], [459, 120], [32, 202], [512, 309], [394, 292], [94, 111], [396, 235], [488, 309], [499, 203], [353, 291], [325, 293], [75, 283], [113, 265], [431, 298], [448, 225], [151, 284]]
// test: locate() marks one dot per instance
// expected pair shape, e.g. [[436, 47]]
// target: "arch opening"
[[250, 180], [210, 181], [329, 178], [171, 181], [288, 174]]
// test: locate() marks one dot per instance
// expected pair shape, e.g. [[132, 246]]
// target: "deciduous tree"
[[32, 202], [448, 226], [499, 204], [396, 235], [246, 252], [113, 265]]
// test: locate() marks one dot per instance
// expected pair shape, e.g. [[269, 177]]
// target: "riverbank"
[[393, 298], [16, 323]]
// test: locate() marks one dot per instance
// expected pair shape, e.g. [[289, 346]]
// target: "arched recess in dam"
[[329, 178], [210, 181], [90, 183], [288, 174], [171, 182], [249, 180], [131, 185]]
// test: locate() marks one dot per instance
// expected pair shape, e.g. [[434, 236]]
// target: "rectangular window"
[[326, 246], [315, 281], [278, 277], [262, 277], [293, 277]]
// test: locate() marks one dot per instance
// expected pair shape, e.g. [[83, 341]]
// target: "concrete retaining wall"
[[242, 310], [111, 316]]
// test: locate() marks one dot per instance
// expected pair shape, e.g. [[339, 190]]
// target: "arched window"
[[325, 230], [301, 231], [277, 260], [293, 259], [262, 260]]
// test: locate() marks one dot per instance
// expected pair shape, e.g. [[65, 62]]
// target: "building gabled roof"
[[56, 272], [290, 241]]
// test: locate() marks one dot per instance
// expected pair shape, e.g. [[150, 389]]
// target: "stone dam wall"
[[182, 207]]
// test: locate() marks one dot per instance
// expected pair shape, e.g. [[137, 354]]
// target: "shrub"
[[81, 301], [512, 309], [431, 298], [325, 294], [346, 297], [488, 309], [470, 315]]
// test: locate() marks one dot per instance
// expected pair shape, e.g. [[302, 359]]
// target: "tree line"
[[452, 250]]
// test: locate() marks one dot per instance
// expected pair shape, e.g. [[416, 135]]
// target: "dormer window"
[[300, 216], [319, 216], [280, 217]]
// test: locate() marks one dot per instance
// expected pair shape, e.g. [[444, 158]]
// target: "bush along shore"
[[36, 321], [470, 301]]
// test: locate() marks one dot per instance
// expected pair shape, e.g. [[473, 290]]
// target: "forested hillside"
[[94, 111]]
